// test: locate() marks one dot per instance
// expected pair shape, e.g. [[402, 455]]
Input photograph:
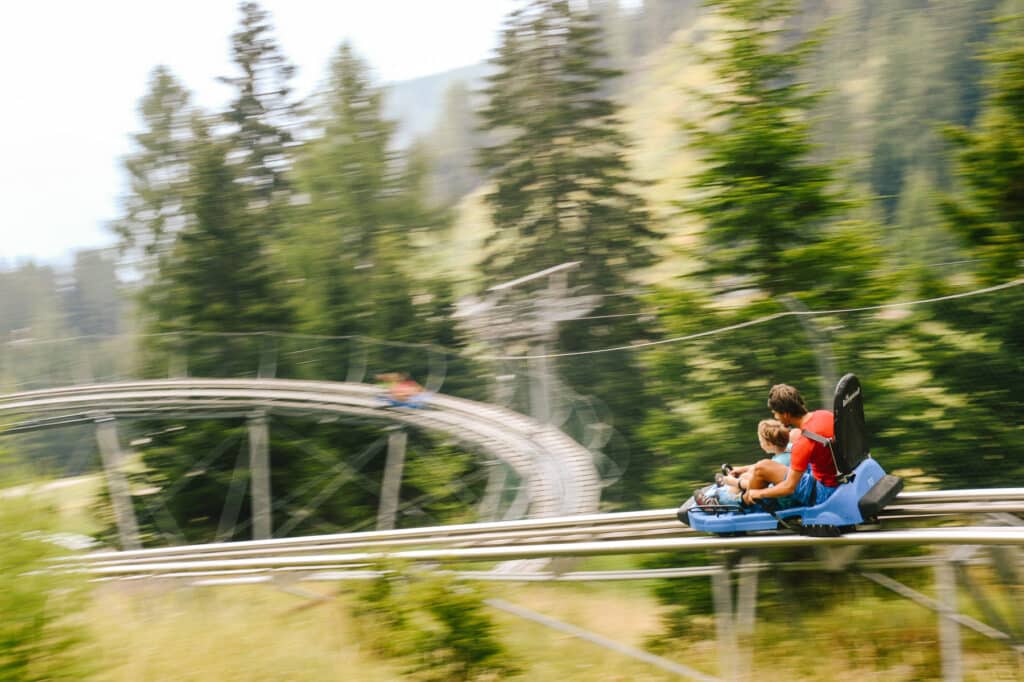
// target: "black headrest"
[[851, 437]]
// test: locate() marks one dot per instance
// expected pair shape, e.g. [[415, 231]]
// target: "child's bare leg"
[[766, 472]]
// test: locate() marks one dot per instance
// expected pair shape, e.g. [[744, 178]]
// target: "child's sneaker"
[[703, 499]]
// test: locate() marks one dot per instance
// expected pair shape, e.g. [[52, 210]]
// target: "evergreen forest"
[[751, 192]]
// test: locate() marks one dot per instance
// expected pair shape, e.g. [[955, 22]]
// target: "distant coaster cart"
[[865, 489], [418, 401], [402, 391]]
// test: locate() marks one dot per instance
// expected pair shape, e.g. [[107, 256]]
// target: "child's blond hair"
[[773, 432]]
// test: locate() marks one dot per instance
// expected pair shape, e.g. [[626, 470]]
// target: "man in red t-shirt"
[[811, 475]]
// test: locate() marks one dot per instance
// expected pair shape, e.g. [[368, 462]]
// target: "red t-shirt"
[[807, 451]]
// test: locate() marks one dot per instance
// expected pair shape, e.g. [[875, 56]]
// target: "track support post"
[[949, 629], [259, 469], [117, 484], [725, 622], [392, 483]]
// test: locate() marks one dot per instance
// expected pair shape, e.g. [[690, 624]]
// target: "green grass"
[[69, 498], [249, 634], [259, 633], [156, 632], [879, 639]]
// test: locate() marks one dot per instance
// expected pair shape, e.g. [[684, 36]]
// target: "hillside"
[[415, 105], [879, 118], [653, 101]]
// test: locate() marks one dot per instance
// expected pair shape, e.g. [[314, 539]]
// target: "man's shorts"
[[803, 495]]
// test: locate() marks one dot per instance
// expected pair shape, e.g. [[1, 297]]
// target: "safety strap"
[[817, 437], [830, 444]]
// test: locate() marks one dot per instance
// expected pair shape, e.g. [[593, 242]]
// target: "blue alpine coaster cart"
[[864, 487]]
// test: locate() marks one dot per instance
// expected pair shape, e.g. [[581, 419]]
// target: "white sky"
[[73, 71]]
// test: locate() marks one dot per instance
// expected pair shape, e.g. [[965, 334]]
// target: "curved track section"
[[558, 472]]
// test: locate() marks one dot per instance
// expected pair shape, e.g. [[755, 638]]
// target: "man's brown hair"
[[785, 399], [773, 432]]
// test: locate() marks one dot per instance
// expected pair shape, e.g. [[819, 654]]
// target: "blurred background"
[[741, 192]]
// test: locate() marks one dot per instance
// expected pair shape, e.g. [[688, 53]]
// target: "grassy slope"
[[69, 498], [256, 633], [154, 632]]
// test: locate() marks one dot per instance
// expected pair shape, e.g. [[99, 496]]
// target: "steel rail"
[[482, 540], [464, 541], [358, 572], [579, 528], [980, 535], [454, 531]]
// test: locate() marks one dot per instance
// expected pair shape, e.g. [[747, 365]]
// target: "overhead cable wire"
[[462, 352], [758, 321]]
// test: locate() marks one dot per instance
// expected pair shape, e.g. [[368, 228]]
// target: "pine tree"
[[218, 273], [201, 207], [990, 216], [361, 210], [262, 112], [348, 170], [930, 82], [760, 196], [216, 278], [29, 304], [354, 254], [158, 171], [771, 233], [247, 237], [984, 374], [831, 264], [562, 191]]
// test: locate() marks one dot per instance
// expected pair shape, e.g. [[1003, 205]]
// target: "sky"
[[73, 72]]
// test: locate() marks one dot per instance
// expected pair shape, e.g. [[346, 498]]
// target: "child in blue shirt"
[[775, 439]]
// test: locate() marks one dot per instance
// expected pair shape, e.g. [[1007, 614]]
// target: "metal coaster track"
[[558, 472], [563, 486], [578, 535]]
